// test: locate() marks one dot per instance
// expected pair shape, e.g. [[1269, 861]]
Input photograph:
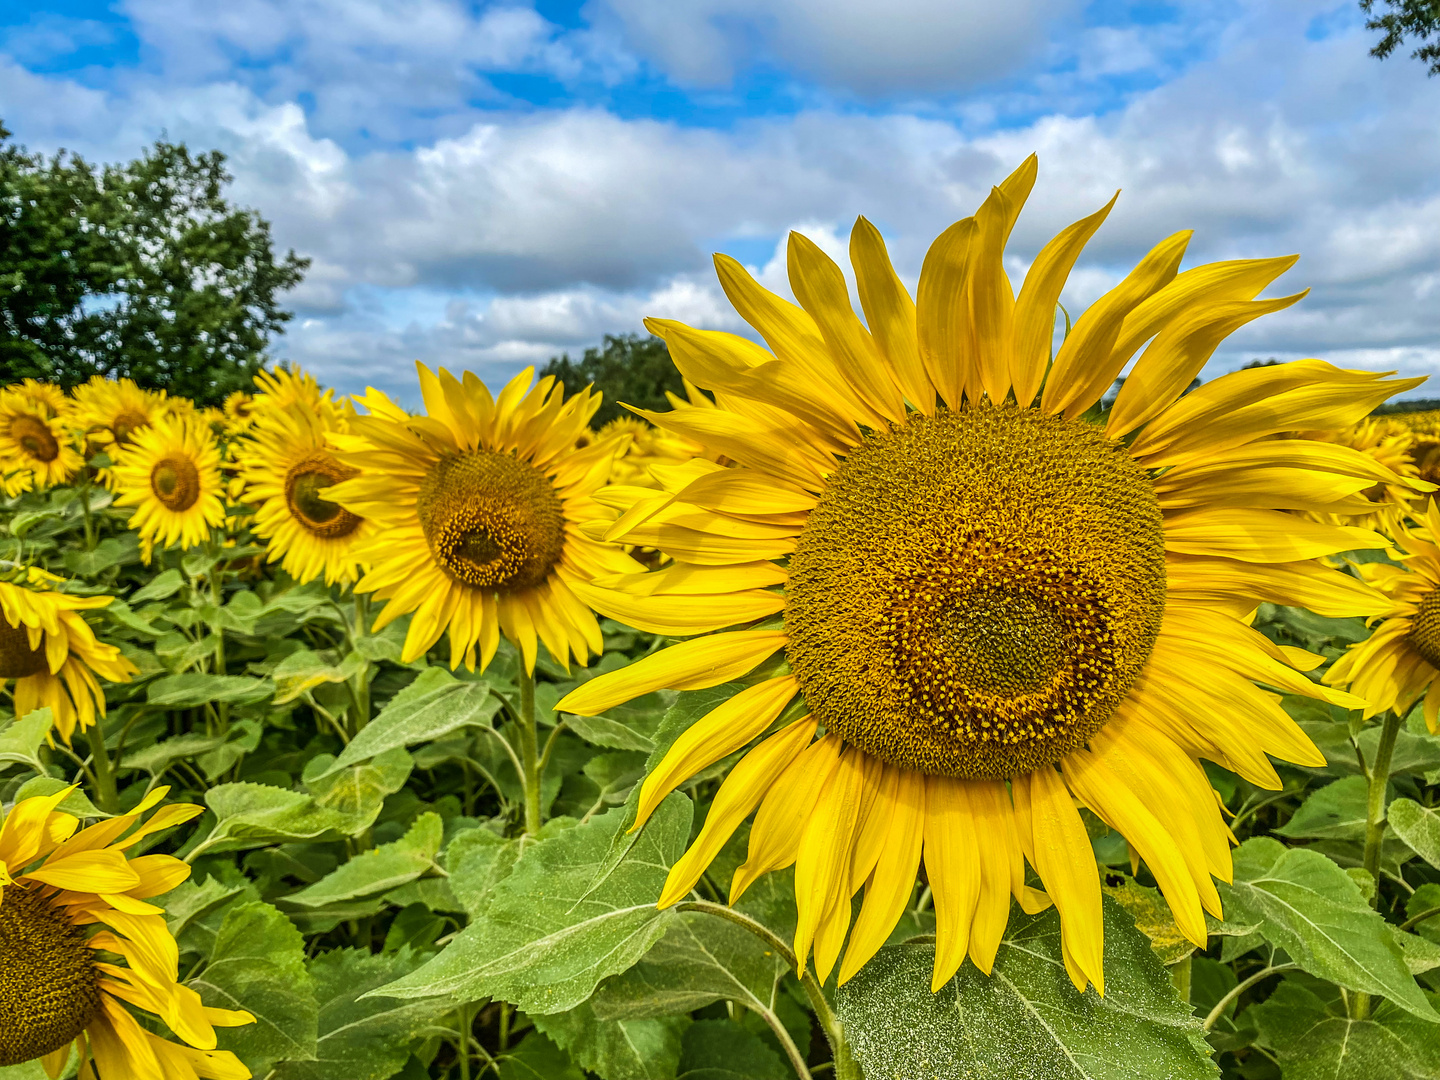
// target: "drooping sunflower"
[[48, 648], [996, 605], [36, 449], [170, 473], [288, 465], [1400, 659], [81, 949], [476, 508], [108, 413]]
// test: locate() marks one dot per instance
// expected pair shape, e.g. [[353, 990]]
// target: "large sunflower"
[[996, 605], [48, 648], [1400, 660], [111, 412], [81, 950], [170, 473], [476, 507], [288, 465], [36, 450]]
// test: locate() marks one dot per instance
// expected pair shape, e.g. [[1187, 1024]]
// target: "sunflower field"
[[895, 705]]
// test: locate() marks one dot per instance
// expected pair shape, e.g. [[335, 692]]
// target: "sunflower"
[[287, 466], [48, 648], [110, 412], [997, 605], [289, 388], [1399, 661], [170, 473], [238, 413], [475, 508], [1390, 445], [1425, 427], [36, 450], [83, 951]]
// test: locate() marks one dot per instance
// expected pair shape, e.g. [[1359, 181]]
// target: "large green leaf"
[[723, 1050], [1026, 1019], [577, 908], [1418, 826], [1334, 812], [358, 791], [384, 868], [1305, 1023], [259, 965], [617, 1049], [432, 706], [1305, 904], [362, 1038], [192, 689]]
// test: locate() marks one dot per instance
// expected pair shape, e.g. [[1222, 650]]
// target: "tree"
[[142, 270], [626, 368], [1416, 19]]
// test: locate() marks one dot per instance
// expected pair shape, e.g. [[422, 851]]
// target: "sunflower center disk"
[[1425, 628], [492, 521], [304, 483], [976, 591], [35, 438], [176, 483], [48, 989], [17, 659], [126, 424]]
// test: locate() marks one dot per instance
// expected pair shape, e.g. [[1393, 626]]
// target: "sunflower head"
[[170, 473], [476, 508], [36, 447], [82, 947], [110, 412]]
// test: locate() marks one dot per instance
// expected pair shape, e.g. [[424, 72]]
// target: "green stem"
[[108, 796], [467, 1020], [1219, 1009], [1375, 827], [1180, 976], [529, 754], [846, 1067], [361, 684], [85, 509], [1408, 923]]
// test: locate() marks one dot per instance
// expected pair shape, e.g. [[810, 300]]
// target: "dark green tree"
[[141, 270], [1418, 20], [630, 368]]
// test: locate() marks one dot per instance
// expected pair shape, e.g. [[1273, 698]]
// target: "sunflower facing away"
[[476, 506], [36, 451], [111, 412], [1399, 661], [48, 648], [288, 466], [994, 608], [170, 473], [81, 950]]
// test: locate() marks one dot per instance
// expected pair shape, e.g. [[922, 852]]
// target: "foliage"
[[626, 368], [142, 270], [1418, 20]]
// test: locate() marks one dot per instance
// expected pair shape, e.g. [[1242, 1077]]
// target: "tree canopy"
[[1418, 20], [627, 367], [142, 270]]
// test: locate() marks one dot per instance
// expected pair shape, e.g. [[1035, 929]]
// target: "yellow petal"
[[902, 816], [942, 316], [890, 313], [683, 615], [775, 835], [822, 861], [1264, 536], [953, 866], [992, 302]]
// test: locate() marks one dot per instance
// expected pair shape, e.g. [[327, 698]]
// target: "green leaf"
[[1334, 812], [20, 740], [112, 551], [1425, 899], [1152, 918], [304, 670], [195, 911], [537, 1058], [192, 688], [617, 1049], [723, 1050], [1418, 826], [432, 706], [362, 1038], [159, 757], [1027, 1019], [1306, 1025], [384, 868], [159, 587], [76, 802], [259, 965], [357, 792], [577, 908], [477, 860], [119, 611], [1308, 906]]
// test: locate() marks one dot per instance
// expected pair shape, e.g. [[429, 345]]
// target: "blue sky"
[[483, 185]]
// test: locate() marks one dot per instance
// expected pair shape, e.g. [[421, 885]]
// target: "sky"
[[485, 185]]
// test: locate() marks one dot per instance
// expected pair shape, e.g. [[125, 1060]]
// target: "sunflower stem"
[[108, 796], [1375, 827], [85, 509], [529, 753]]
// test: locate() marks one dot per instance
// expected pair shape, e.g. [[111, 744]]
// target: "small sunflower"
[[476, 509], [288, 466], [647, 446], [290, 388], [238, 413], [170, 473], [1399, 661], [36, 449], [1425, 427], [82, 951], [996, 603], [1390, 446], [48, 648], [109, 413]]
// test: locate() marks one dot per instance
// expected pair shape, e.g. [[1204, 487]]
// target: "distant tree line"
[[631, 368], [142, 270]]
